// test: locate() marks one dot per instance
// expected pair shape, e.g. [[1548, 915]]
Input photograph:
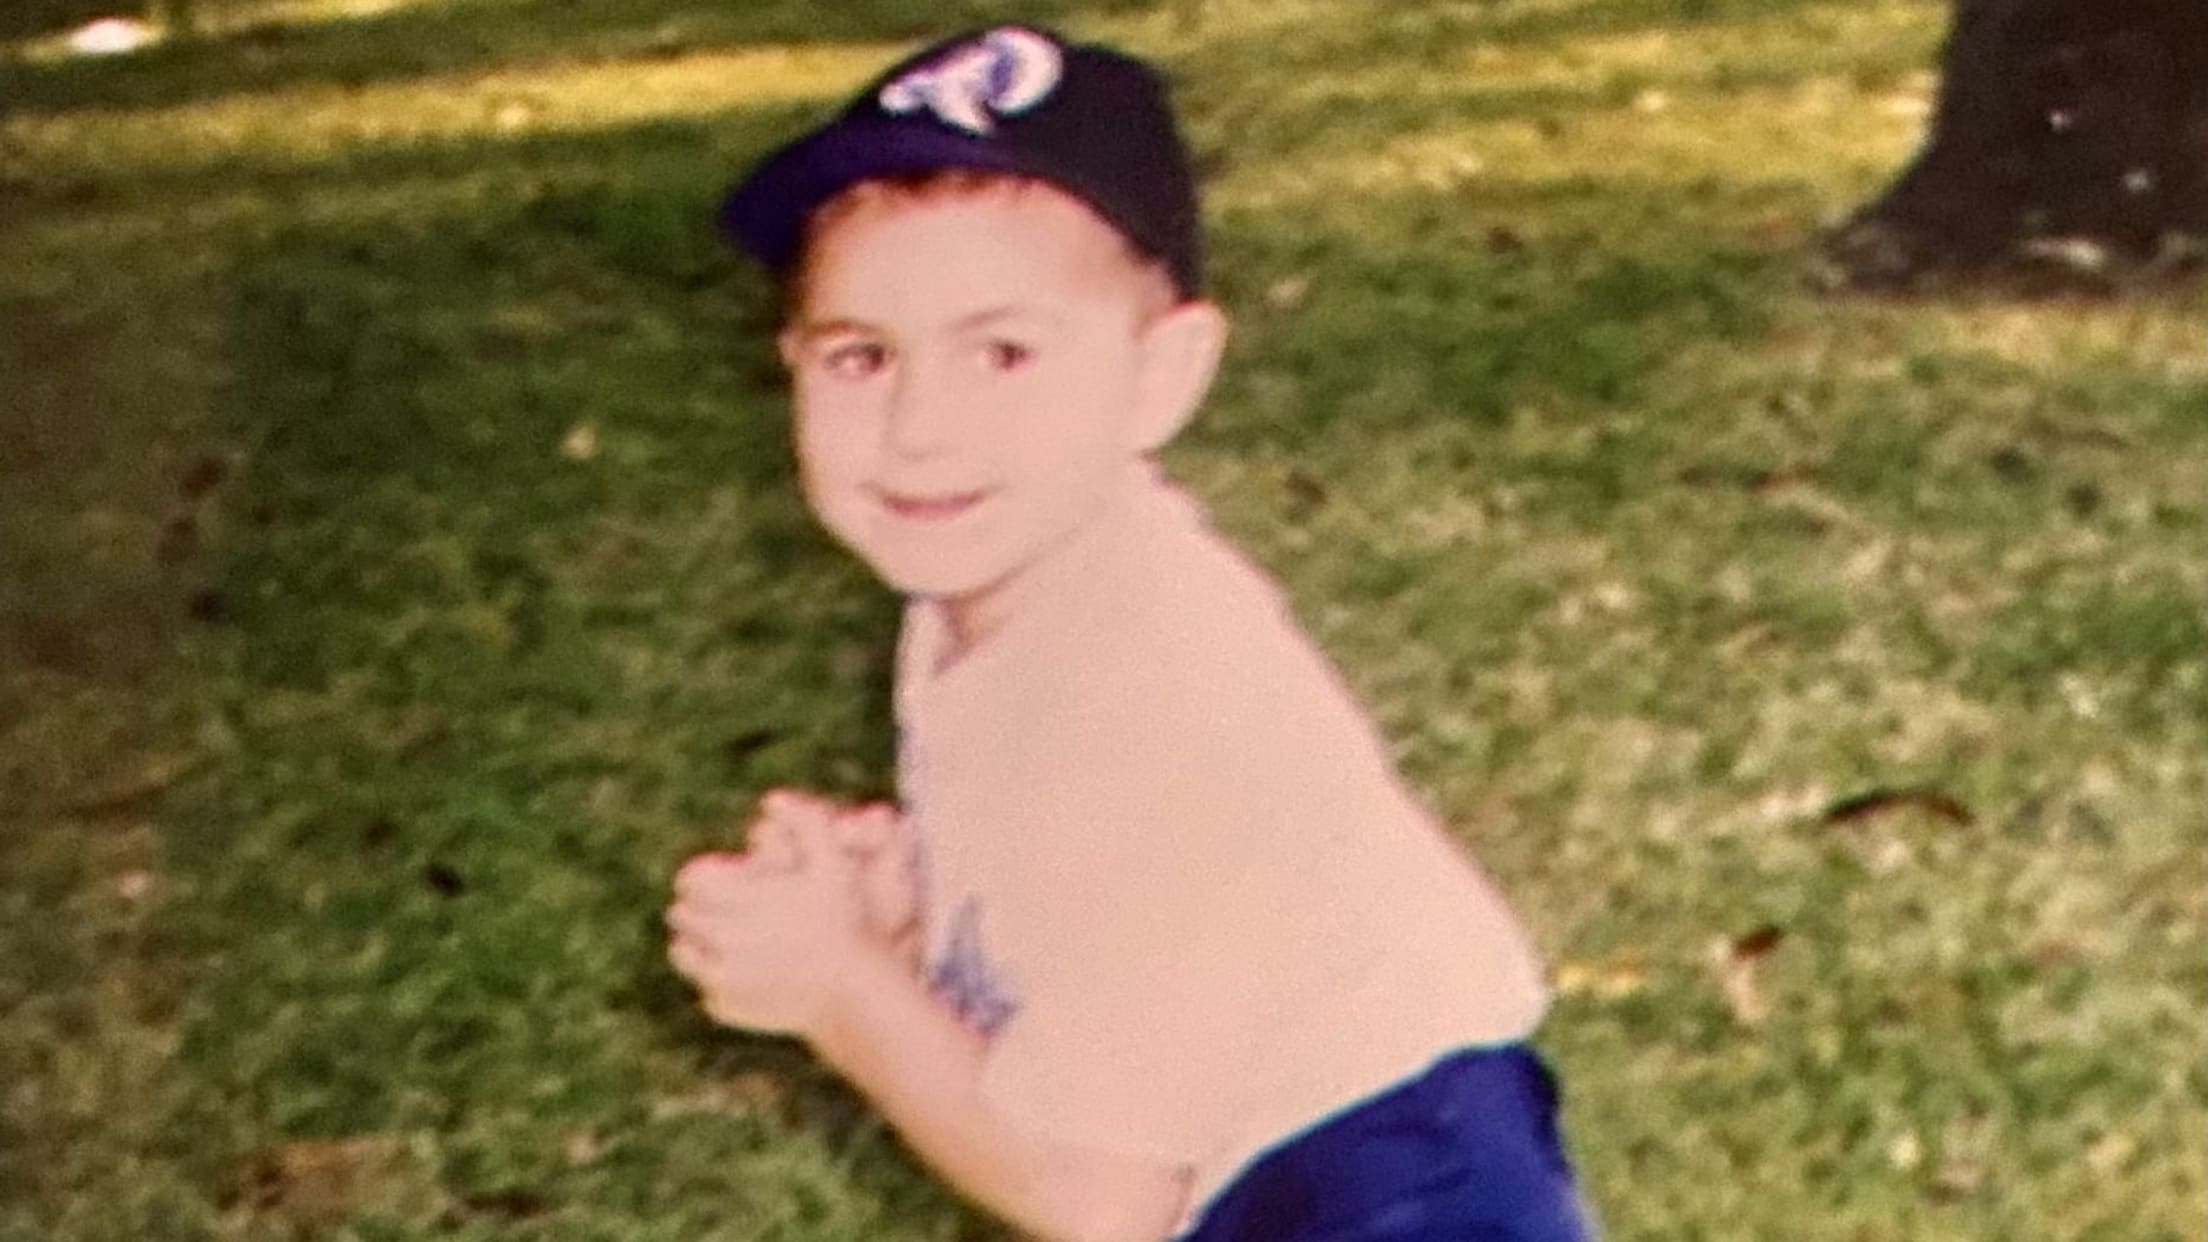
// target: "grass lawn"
[[400, 573]]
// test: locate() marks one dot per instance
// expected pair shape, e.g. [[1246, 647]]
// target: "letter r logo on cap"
[[1003, 73]]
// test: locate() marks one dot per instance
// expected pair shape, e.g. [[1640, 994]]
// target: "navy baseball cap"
[[1011, 99]]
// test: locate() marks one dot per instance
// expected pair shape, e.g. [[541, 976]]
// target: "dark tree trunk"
[[2071, 137]]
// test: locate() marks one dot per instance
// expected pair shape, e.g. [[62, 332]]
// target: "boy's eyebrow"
[[814, 329]]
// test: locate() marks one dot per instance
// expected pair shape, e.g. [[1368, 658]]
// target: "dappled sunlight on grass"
[[2150, 334], [311, 123], [1653, 107], [236, 13], [224, 18], [1879, 44]]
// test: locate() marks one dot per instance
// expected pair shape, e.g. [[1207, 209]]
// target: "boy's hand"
[[871, 836], [770, 943]]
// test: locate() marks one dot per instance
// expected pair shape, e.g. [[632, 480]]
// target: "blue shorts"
[[1467, 1151]]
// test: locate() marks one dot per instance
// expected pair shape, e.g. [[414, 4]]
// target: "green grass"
[[352, 719]]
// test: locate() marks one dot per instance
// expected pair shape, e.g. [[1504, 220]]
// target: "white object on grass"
[[111, 36]]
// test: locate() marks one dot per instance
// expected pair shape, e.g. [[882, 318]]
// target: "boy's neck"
[[968, 623]]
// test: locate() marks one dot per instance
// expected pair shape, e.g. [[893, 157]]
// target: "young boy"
[[1158, 945]]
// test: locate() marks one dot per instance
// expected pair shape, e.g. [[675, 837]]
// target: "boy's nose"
[[919, 422]]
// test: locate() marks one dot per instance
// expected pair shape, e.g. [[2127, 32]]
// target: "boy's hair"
[[938, 186], [1009, 103]]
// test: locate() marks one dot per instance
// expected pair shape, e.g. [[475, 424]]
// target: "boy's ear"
[[1180, 356], [786, 344]]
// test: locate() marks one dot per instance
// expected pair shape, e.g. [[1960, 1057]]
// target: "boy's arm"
[[921, 1068]]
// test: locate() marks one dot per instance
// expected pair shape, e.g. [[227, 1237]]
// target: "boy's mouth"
[[941, 507]]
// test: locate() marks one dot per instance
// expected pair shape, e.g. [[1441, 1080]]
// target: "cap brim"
[[766, 213]]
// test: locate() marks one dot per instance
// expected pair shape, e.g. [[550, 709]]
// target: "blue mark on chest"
[[964, 978]]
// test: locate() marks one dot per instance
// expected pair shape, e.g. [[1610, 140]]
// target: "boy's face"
[[968, 377]]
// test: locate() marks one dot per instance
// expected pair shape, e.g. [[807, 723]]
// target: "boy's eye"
[[855, 359], [1006, 355]]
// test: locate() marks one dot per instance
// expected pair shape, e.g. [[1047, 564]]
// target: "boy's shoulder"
[[1184, 634]]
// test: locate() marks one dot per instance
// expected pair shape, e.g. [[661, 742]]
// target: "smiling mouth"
[[940, 508]]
